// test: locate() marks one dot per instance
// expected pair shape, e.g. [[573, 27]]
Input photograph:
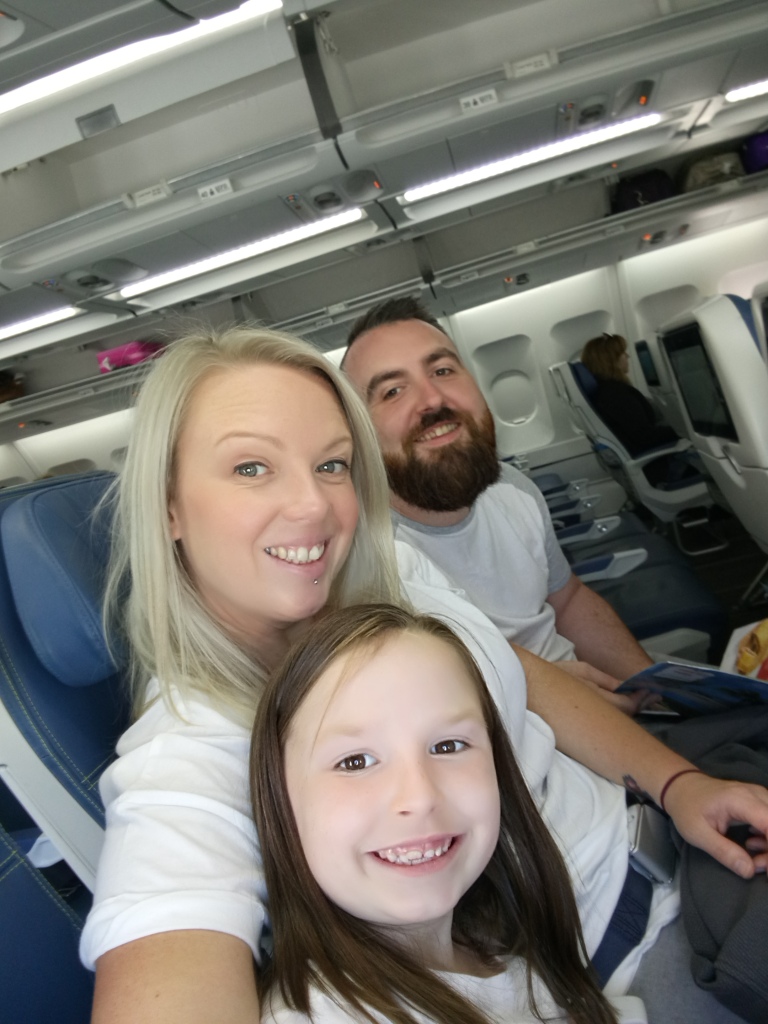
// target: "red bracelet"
[[671, 779]]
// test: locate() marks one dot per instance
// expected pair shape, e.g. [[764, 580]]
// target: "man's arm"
[[589, 730], [596, 631]]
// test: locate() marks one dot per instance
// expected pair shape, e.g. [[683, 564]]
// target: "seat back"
[[62, 698], [576, 385], [714, 356]]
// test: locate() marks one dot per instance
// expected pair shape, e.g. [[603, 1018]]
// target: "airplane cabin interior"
[[537, 172]]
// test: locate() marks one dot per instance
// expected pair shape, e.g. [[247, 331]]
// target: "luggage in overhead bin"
[[754, 153], [641, 190], [129, 354], [711, 170]]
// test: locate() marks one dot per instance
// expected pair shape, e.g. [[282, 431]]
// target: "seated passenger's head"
[[607, 357], [252, 495], [435, 429]]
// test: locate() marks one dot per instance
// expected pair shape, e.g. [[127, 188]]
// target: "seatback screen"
[[698, 383]]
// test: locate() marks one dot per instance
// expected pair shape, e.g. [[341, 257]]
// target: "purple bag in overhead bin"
[[754, 153]]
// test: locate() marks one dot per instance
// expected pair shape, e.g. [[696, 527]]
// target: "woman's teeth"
[[299, 556], [420, 855]]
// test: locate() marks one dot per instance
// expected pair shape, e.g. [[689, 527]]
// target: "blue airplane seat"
[[576, 386], [62, 708], [42, 977]]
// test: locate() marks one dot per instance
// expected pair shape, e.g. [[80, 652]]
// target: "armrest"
[[609, 567]]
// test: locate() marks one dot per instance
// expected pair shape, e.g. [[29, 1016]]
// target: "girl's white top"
[[181, 850]]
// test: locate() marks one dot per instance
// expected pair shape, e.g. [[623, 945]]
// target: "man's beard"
[[450, 478]]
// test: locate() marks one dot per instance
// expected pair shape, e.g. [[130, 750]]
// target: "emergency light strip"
[[38, 321], [747, 92], [532, 156], [244, 252], [104, 63]]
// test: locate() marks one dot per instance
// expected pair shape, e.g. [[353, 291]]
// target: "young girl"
[[410, 877]]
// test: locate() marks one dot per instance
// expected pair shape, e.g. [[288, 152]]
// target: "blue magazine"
[[697, 689]]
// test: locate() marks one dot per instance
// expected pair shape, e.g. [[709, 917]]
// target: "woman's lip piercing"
[[315, 582]]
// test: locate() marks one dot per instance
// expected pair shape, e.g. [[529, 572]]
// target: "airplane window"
[[647, 364]]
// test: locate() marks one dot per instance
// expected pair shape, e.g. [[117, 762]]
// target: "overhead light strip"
[[23, 326], [747, 92], [531, 156], [124, 56], [244, 252]]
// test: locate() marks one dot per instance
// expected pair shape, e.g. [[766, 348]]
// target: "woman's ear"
[[173, 520]]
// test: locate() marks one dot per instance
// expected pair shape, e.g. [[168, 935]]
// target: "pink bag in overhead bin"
[[129, 354]]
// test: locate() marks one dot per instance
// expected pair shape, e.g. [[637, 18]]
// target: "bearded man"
[[482, 522]]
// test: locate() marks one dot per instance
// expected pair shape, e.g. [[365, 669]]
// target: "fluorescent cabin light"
[[532, 156], [23, 326], [244, 252], [747, 92], [125, 55]]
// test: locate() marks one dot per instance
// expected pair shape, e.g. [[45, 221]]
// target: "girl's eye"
[[333, 466], [356, 762], [448, 747], [250, 469]]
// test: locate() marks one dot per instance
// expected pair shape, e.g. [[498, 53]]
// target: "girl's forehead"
[[380, 666]]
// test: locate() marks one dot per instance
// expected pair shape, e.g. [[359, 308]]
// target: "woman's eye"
[[333, 466], [448, 747], [250, 469], [356, 762]]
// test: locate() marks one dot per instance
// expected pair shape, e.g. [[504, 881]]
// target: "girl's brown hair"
[[521, 905], [601, 356]]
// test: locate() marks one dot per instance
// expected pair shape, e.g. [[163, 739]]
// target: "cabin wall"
[[509, 344]]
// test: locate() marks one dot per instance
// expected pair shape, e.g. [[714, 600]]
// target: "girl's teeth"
[[409, 857]]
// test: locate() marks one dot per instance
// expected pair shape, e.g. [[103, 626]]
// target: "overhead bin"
[[41, 38]]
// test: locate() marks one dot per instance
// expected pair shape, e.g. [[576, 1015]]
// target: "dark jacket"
[[630, 416]]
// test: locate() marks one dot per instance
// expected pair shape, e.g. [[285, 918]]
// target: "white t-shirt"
[[503, 998], [506, 559], [180, 850]]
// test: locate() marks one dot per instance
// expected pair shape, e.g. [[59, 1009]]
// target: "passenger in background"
[[484, 524], [443, 897], [628, 412]]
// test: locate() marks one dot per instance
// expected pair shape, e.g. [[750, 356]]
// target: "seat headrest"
[[56, 548], [585, 379]]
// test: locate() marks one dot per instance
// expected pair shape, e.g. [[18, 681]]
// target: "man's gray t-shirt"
[[505, 557]]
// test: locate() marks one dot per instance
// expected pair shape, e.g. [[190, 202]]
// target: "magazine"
[[696, 689]]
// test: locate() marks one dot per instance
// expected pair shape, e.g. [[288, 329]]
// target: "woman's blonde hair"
[[150, 598], [601, 356]]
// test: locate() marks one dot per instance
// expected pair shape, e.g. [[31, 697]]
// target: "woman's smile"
[[263, 503]]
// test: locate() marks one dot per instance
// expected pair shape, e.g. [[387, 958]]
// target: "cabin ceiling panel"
[[58, 34], [504, 228], [134, 91], [349, 276], [177, 141], [26, 303], [415, 52]]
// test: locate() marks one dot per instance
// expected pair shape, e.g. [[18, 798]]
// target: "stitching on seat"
[[31, 872], [44, 740]]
